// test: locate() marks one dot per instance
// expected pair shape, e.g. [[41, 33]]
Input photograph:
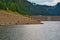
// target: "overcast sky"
[[45, 2]]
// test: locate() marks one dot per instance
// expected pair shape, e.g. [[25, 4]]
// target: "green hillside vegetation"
[[19, 6]]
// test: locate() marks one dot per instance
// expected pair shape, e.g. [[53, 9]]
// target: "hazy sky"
[[45, 2]]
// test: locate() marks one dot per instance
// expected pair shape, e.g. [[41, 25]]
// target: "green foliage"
[[15, 5]]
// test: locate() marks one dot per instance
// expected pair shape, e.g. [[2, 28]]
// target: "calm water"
[[48, 31]]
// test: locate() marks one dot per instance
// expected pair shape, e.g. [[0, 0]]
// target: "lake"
[[50, 30]]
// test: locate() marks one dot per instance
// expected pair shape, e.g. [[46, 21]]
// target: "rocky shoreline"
[[47, 18], [14, 19]]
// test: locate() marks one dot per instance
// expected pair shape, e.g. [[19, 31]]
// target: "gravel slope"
[[14, 19]]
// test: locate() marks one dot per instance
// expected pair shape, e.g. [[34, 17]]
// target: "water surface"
[[50, 30]]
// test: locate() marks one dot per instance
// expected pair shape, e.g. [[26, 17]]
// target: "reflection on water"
[[48, 31]]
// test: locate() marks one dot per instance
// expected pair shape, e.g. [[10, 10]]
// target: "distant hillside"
[[20, 6], [25, 7], [44, 10]]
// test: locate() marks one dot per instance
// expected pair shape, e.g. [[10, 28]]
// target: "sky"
[[45, 2]]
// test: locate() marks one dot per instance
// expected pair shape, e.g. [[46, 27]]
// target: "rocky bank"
[[7, 18]]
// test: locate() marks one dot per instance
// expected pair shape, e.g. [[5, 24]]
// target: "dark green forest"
[[20, 6]]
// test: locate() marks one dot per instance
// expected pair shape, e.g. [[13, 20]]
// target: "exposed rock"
[[14, 19]]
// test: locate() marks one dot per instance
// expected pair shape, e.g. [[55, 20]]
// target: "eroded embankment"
[[47, 18], [14, 19]]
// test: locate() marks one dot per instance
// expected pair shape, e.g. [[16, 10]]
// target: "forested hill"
[[25, 7], [45, 10], [20, 6]]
